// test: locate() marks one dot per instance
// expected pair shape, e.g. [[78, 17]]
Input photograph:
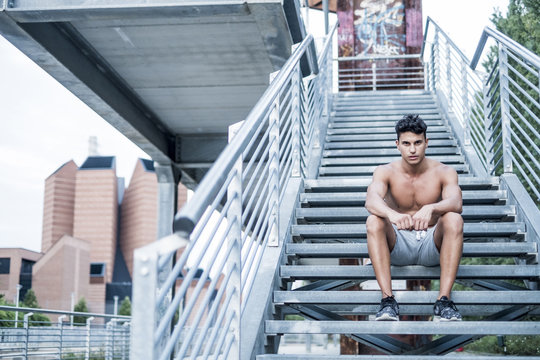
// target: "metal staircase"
[[263, 234], [330, 225]]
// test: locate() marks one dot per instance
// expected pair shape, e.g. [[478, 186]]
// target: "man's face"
[[412, 147]]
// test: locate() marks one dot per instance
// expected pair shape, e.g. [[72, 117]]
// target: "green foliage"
[[80, 307], [30, 300], [6, 317], [513, 345], [125, 307]]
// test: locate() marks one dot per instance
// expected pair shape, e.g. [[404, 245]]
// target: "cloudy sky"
[[44, 125]]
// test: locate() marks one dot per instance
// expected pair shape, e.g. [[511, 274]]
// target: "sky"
[[43, 125]]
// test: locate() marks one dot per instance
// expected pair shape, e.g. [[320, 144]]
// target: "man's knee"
[[375, 224], [452, 222]]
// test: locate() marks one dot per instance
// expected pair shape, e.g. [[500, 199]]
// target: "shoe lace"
[[446, 303], [389, 301]]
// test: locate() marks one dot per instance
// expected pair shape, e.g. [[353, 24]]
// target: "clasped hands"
[[419, 221]]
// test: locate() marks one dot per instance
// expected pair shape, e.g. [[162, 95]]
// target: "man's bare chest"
[[410, 193]]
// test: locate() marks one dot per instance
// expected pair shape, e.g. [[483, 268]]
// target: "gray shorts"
[[414, 248]]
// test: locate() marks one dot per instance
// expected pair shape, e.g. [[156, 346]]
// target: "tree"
[[125, 307], [30, 301], [6, 317], [80, 307]]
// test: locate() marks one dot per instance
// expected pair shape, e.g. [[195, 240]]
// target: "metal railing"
[[498, 111], [192, 306], [380, 73], [64, 339]]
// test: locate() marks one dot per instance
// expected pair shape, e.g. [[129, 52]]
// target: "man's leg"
[[381, 240], [448, 238]]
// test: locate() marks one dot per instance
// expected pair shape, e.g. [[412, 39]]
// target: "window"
[[4, 265], [97, 270], [25, 277]]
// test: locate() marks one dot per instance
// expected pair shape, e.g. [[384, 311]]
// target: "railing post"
[[88, 336], [449, 74], [125, 334], [296, 108], [27, 330], [234, 218], [505, 110], [435, 60], [61, 340], [466, 106], [488, 132], [374, 75], [273, 171]]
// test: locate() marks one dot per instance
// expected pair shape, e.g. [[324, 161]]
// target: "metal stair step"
[[381, 137], [388, 112], [416, 272], [382, 144], [376, 124], [386, 357], [368, 170], [409, 297], [378, 160], [470, 212], [359, 230], [380, 130], [403, 327], [358, 199], [354, 117], [399, 108], [357, 185], [359, 250], [386, 152]]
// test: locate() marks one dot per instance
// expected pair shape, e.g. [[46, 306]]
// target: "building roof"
[[148, 165], [99, 162]]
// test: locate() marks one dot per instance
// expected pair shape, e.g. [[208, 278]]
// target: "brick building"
[[91, 226]]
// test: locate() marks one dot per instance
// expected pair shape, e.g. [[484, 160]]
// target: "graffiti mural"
[[379, 27]]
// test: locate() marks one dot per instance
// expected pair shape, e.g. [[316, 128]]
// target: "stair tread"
[[369, 169], [358, 198], [375, 124], [380, 130], [360, 213], [355, 184], [386, 357], [525, 297], [446, 159], [418, 272], [359, 250], [403, 327], [354, 230], [387, 136], [328, 154], [353, 144]]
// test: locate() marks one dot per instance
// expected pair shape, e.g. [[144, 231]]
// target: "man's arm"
[[375, 203], [451, 200]]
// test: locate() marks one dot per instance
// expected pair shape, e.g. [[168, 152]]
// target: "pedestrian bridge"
[[278, 221]]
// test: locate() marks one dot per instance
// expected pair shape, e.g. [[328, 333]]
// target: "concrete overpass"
[[171, 75]]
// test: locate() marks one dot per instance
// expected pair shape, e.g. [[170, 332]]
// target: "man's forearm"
[[448, 205], [379, 207]]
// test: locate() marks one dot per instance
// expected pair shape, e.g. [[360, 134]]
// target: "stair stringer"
[[527, 212]]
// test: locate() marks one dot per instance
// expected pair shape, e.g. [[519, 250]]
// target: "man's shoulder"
[[441, 170], [387, 169]]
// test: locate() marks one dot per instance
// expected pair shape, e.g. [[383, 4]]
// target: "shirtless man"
[[415, 206]]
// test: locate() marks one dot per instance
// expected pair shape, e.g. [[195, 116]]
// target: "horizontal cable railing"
[[499, 111], [191, 289], [89, 336], [380, 72]]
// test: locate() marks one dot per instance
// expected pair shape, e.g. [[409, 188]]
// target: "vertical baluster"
[[488, 131], [296, 109], [234, 217], [466, 105], [273, 173], [505, 109], [435, 63], [449, 74]]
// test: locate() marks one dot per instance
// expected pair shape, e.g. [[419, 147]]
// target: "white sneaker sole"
[[387, 317], [440, 319]]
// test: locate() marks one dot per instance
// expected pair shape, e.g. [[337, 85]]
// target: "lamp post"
[[19, 287]]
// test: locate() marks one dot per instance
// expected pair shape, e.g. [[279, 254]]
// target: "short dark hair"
[[411, 123]]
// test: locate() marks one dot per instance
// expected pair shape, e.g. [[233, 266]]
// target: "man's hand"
[[422, 218], [402, 221]]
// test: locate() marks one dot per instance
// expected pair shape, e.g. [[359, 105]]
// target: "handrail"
[[430, 20], [497, 112], [216, 176], [193, 306], [506, 41]]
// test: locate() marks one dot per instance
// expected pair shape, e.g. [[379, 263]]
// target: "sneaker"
[[389, 310], [445, 310]]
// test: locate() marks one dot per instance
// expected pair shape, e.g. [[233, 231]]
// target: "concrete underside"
[[171, 75]]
